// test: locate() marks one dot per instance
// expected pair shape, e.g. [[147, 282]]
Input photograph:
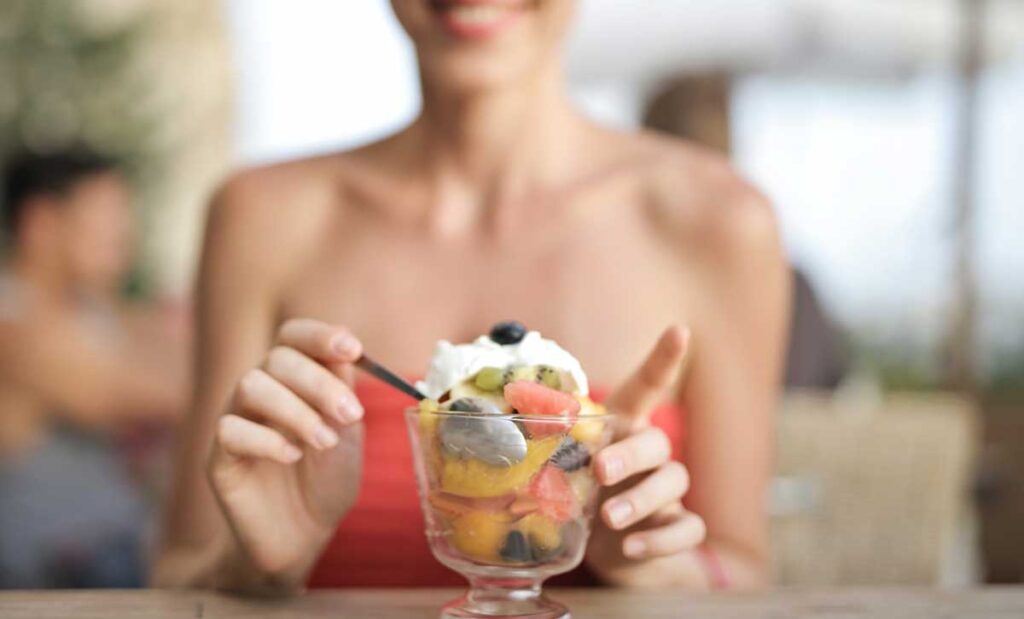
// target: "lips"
[[475, 19]]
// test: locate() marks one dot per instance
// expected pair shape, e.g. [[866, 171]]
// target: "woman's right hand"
[[287, 454]]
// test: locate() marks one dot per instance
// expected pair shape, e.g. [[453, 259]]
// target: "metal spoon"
[[496, 441], [370, 366]]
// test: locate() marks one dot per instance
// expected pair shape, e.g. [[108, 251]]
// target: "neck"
[[498, 144]]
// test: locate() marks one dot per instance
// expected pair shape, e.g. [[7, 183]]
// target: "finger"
[[242, 438], [666, 485], [646, 450], [637, 397], [685, 533], [312, 382], [345, 371], [666, 514], [319, 340], [260, 395]]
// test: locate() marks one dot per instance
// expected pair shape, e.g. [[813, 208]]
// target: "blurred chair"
[[816, 357], [1001, 490], [876, 495]]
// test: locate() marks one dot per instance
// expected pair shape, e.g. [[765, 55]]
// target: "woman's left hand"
[[642, 520]]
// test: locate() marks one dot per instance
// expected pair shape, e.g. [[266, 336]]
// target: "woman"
[[499, 201]]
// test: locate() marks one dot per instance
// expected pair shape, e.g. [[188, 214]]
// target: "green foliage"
[[901, 367], [1007, 376], [69, 77]]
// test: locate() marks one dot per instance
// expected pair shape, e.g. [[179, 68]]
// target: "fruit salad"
[[504, 446]]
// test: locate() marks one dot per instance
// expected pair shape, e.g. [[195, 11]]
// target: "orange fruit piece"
[[590, 426], [544, 533], [470, 477], [453, 505], [479, 535], [523, 505]]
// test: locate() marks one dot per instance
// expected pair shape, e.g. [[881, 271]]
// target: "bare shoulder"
[[268, 218], [277, 201], [724, 233], [699, 198]]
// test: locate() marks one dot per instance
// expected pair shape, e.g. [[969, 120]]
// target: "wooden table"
[[997, 603]]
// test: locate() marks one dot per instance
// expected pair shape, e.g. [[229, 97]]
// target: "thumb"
[[636, 398]]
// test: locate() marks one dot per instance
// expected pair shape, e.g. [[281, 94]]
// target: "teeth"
[[478, 15]]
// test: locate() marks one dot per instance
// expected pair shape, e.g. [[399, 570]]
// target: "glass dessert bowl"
[[503, 467]]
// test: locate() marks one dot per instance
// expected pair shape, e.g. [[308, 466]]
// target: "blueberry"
[[570, 455], [465, 405], [516, 549], [475, 405], [509, 332]]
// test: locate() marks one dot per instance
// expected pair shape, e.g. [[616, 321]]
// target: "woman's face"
[[467, 45]]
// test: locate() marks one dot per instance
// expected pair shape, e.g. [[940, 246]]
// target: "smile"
[[477, 19]]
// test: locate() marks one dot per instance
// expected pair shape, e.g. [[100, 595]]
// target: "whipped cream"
[[454, 363]]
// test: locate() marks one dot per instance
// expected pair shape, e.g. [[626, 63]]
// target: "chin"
[[474, 44]]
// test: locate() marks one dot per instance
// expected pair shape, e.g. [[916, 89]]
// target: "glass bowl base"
[[536, 609], [490, 600]]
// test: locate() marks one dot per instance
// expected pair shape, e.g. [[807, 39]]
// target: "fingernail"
[[325, 437], [345, 344], [292, 453], [613, 469], [350, 408], [634, 547], [619, 511]]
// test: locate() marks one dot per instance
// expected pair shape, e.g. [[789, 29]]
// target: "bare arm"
[[733, 388], [645, 538], [234, 320], [269, 459], [92, 385]]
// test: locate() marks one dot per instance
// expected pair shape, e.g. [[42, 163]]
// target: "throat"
[[487, 177], [501, 142]]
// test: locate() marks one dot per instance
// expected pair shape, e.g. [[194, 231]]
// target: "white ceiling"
[[646, 40]]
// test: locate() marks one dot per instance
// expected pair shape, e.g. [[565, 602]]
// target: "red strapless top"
[[381, 542]]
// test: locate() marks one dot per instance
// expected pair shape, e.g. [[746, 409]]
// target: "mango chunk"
[[470, 477]]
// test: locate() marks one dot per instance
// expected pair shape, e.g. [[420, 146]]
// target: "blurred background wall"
[[889, 135]]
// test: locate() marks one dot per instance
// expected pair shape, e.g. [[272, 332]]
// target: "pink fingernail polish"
[[613, 469], [345, 345], [619, 511], [350, 408], [634, 547], [325, 437]]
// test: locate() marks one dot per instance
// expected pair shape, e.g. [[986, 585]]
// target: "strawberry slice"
[[554, 495], [536, 399]]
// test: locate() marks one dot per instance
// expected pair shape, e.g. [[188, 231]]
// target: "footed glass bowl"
[[507, 502]]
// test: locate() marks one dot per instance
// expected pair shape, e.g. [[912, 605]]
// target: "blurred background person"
[[78, 368]]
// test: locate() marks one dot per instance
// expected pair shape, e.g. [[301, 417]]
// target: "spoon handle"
[[372, 367]]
